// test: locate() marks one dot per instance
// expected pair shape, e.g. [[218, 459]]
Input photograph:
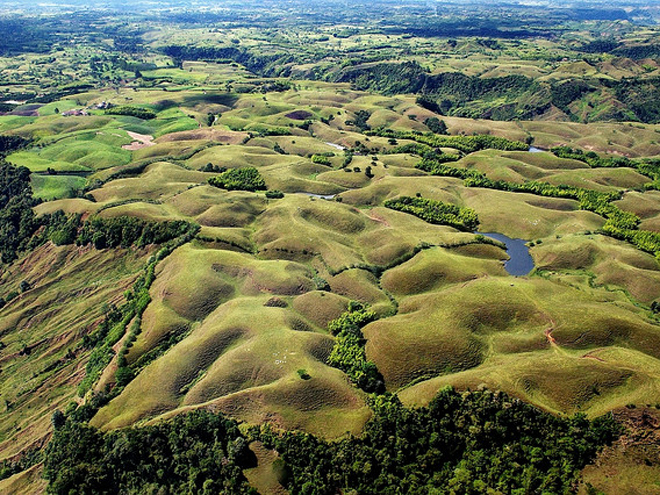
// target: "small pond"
[[534, 149], [520, 261]]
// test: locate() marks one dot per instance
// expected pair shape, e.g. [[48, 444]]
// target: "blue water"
[[534, 149], [520, 261]]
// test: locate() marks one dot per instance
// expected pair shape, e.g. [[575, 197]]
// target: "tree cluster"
[[199, 452], [242, 179], [138, 112], [129, 231], [436, 212], [349, 354], [466, 144]]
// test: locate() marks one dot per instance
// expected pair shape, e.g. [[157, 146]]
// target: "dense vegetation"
[[12, 143], [467, 443], [470, 443], [348, 354], [17, 220], [436, 212], [466, 144], [140, 113], [129, 231], [241, 179], [199, 452]]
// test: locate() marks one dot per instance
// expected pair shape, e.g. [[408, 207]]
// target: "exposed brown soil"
[[141, 141]]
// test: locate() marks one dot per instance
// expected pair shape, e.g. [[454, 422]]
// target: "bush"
[[274, 194], [320, 160], [302, 373], [436, 125]]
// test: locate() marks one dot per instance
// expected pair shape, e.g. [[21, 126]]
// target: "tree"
[[436, 125], [58, 419]]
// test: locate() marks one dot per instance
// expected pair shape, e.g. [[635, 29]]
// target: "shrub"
[[274, 194], [320, 160], [302, 373]]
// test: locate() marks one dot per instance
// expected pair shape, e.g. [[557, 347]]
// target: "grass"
[[449, 313], [435, 269], [224, 347], [69, 290], [50, 187], [607, 262], [588, 369]]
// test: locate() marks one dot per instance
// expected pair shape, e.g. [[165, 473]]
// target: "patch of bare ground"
[[140, 141]]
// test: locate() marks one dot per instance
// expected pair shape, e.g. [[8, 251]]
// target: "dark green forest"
[[461, 443]]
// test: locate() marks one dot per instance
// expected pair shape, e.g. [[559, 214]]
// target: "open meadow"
[[291, 225]]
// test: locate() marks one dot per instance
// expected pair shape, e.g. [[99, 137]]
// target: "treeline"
[[505, 98], [436, 212], [139, 112], [471, 443], [198, 452], [466, 144], [241, 179], [349, 354], [275, 65], [17, 220]]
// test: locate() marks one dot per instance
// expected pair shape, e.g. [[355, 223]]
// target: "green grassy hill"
[[123, 323]]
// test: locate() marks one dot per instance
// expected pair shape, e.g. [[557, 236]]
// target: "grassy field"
[[238, 317]]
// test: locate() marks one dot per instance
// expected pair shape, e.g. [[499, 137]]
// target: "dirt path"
[[377, 218], [140, 141], [590, 355]]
